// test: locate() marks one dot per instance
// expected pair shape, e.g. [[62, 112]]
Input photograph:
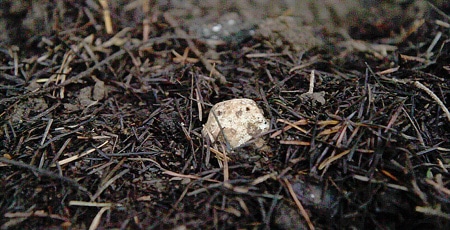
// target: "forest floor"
[[102, 105]]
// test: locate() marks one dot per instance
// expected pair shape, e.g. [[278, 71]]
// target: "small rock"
[[240, 119]]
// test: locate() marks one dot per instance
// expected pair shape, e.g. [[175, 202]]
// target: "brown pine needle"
[[193, 177], [295, 142], [96, 221], [435, 98], [331, 159], [297, 202], [292, 125]]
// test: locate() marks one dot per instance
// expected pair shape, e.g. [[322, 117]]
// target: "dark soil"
[[103, 129]]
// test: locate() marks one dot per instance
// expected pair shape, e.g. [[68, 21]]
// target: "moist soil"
[[102, 105]]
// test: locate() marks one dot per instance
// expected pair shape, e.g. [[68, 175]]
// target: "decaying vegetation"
[[102, 107]]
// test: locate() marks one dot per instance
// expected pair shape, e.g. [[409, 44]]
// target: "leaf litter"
[[101, 112]]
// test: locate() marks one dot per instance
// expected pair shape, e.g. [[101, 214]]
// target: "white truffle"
[[240, 119]]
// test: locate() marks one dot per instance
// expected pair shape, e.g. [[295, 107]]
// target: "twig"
[[263, 55], [295, 142], [438, 187], [263, 178]]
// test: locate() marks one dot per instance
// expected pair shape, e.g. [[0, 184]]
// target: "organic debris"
[[102, 106]]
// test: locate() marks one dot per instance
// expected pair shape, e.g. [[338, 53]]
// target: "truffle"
[[240, 119]]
